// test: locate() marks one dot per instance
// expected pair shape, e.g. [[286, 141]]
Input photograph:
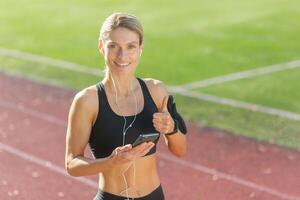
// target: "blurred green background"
[[185, 41]]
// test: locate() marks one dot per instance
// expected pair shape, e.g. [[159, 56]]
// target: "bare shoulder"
[[157, 89], [86, 96], [86, 100]]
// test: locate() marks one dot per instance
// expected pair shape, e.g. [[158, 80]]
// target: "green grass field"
[[196, 40]]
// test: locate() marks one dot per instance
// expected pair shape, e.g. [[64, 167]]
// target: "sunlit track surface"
[[216, 162]]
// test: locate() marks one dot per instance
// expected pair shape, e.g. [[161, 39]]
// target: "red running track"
[[218, 166]]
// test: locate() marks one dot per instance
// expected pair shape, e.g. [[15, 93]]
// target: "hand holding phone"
[[148, 137]]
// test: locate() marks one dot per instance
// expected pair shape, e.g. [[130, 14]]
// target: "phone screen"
[[148, 137]]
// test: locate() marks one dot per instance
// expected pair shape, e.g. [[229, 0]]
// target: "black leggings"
[[157, 194]]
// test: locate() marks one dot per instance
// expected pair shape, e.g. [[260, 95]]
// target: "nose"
[[122, 53]]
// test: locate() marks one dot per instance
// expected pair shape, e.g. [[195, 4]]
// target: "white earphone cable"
[[124, 135]]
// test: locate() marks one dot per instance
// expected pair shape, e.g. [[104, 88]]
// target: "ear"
[[101, 46], [141, 48]]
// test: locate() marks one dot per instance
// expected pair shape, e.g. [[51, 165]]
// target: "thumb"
[[164, 104], [123, 148], [126, 147]]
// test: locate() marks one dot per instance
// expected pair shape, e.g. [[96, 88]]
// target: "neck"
[[124, 84]]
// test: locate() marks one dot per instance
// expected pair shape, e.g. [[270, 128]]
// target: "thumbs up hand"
[[162, 120]]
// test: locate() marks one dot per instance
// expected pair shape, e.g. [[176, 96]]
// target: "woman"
[[110, 116]]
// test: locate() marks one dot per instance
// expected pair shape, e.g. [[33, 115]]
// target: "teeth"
[[122, 64]]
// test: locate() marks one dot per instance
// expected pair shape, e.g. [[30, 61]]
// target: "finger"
[[157, 121], [150, 146], [163, 121], [138, 148], [125, 148], [116, 151], [158, 115], [157, 124], [160, 127], [121, 155], [163, 128], [164, 104], [163, 118], [146, 146], [166, 116], [162, 124], [121, 151], [133, 152]]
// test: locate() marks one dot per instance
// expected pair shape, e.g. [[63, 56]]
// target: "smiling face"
[[121, 50]]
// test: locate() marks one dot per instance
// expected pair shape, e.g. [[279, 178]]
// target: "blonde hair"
[[121, 20]]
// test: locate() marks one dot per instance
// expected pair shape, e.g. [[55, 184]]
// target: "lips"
[[123, 64]]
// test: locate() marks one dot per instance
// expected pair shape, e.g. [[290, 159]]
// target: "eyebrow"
[[133, 42]]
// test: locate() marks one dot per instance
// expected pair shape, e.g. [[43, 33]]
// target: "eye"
[[112, 46], [131, 46]]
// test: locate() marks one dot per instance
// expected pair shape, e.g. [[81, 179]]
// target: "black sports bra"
[[106, 133]]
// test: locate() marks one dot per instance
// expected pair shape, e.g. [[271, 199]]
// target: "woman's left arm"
[[177, 143], [163, 121]]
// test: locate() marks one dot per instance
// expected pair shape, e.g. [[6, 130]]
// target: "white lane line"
[[195, 166], [45, 163], [37, 114], [238, 104], [183, 90], [50, 61], [241, 75], [198, 84], [227, 177]]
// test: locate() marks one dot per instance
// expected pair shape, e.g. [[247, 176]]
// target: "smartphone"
[[148, 137]]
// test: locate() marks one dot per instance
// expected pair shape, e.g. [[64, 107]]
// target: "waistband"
[[156, 194]]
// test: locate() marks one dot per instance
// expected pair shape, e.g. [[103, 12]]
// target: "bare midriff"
[[140, 183]]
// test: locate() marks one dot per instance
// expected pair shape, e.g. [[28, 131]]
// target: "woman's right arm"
[[82, 115]]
